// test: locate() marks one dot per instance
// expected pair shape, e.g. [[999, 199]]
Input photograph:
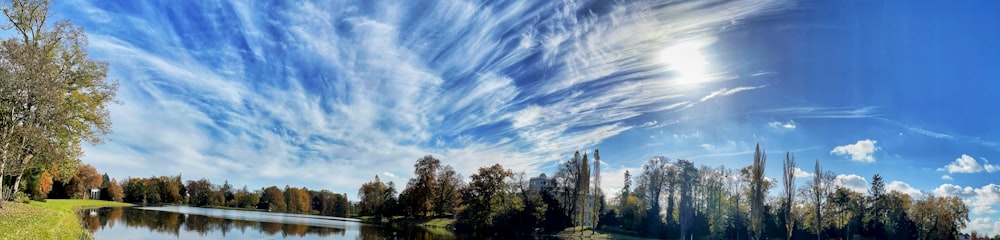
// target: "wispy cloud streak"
[[329, 94]]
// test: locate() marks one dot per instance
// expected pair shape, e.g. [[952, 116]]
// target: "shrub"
[[22, 197]]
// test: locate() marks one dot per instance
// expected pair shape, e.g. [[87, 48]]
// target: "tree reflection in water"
[[172, 223]]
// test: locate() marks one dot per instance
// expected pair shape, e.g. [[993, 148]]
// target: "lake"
[[183, 222]]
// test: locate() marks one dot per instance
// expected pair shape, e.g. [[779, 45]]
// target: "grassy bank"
[[588, 233], [53, 219], [436, 226]]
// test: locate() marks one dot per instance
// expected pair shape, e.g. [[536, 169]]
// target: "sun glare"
[[686, 61]]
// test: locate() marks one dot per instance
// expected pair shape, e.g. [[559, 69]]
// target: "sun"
[[686, 60]]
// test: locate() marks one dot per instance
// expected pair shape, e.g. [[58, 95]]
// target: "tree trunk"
[[2, 190], [3, 166], [17, 179]]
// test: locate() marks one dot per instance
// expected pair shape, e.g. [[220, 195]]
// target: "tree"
[[152, 186], [420, 191], [168, 190], [737, 184], [448, 188], [342, 208], [632, 210], [598, 205], [246, 199], [201, 192], [115, 191], [487, 197], [297, 200], [86, 178], [45, 183], [713, 199], [898, 224], [375, 198], [274, 199], [688, 179], [940, 217], [54, 96], [653, 182], [789, 182], [583, 190], [534, 206], [875, 218], [227, 192], [105, 180], [816, 191], [134, 190], [846, 205], [627, 185], [758, 192], [567, 184]]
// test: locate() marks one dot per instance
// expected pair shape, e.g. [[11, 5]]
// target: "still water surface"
[[183, 222]]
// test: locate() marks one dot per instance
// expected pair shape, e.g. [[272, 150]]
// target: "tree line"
[[203, 193], [668, 199], [172, 190]]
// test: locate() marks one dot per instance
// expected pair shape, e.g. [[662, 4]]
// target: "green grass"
[[580, 232], [72, 205], [436, 226], [53, 219], [436, 222]]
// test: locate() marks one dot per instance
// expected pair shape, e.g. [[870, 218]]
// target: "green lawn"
[[588, 233], [53, 219], [435, 222]]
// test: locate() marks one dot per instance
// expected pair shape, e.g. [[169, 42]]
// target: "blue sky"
[[328, 94]]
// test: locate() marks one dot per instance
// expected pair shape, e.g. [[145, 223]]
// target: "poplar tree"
[[789, 182], [758, 192]]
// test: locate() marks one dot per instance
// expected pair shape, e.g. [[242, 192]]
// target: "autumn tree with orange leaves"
[[86, 178], [115, 191]]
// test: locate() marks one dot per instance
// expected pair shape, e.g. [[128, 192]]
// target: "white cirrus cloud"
[[329, 94], [861, 151], [727, 92], [790, 124]]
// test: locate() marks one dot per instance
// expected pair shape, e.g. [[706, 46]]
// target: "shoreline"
[[53, 219]]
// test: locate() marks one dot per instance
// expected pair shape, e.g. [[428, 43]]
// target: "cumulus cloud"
[[852, 182], [860, 151], [981, 200], [904, 188], [985, 226], [799, 173], [783, 125], [968, 164], [946, 177]]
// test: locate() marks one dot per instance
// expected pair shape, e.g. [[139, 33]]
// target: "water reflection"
[[145, 223]]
